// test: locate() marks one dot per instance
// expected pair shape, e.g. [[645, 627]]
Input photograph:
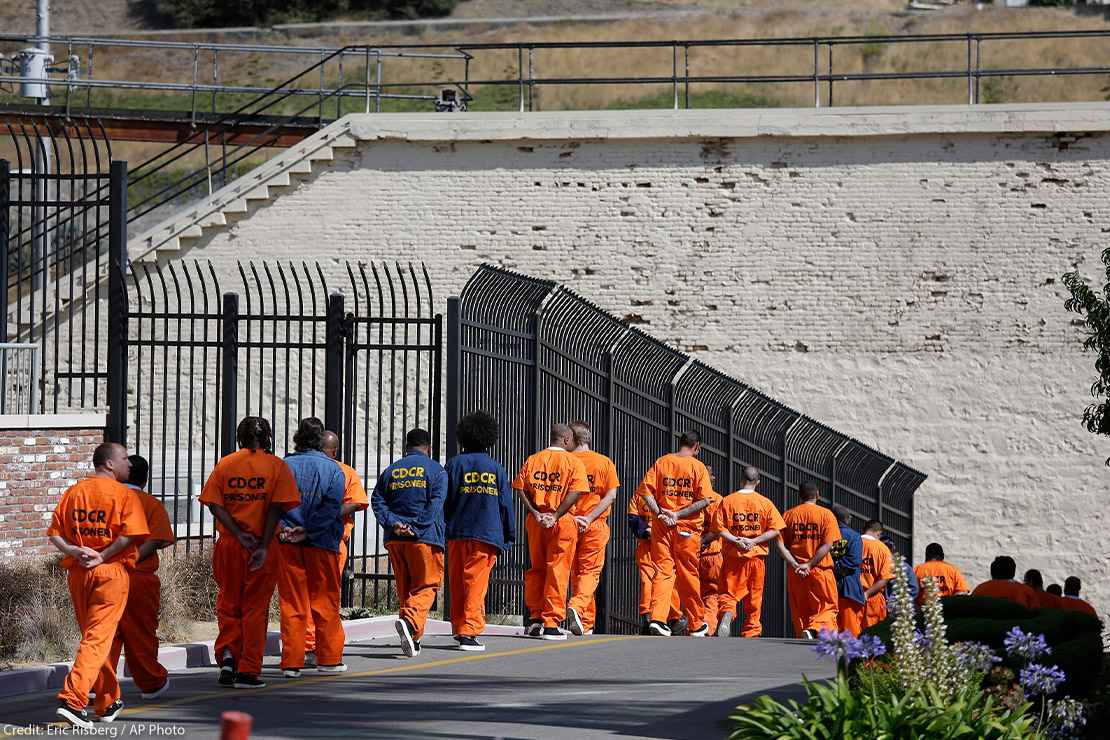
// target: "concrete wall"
[[894, 273], [40, 456]]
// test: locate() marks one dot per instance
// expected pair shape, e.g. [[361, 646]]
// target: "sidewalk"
[[199, 654]]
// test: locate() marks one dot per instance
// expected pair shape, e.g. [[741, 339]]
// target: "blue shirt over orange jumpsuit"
[[411, 491], [849, 590], [481, 522], [309, 579]]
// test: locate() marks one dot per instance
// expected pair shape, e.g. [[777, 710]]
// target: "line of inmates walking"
[[285, 524]]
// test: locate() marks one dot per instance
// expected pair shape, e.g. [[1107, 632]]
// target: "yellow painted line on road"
[[298, 682]]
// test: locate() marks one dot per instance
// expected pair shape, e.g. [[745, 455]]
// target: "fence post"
[[454, 368], [117, 303], [333, 364], [229, 410], [604, 596], [5, 196]]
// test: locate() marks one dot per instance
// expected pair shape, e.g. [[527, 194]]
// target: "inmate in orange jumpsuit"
[[94, 513], [138, 628], [589, 554], [246, 483], [1075, 604], [675, 481], [876, 565], [748, 514], [1001, 588], [353, 493], [812, 599], [948, 578], [546, 478], [645, 566], [709, 564]]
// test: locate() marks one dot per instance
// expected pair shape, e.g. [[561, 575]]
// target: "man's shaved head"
[[750, 474], [562, 436], [330, 444]]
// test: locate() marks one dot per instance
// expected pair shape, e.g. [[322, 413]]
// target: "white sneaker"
[[337, 668], [291, 672], [724, 627], [702, 631], [408, 642], [659, 629], [809, 634], [553, 633], [574, 622], [588, 632], [157, 692]]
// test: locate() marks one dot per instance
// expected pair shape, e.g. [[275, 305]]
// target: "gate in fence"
[[359, 348], [532, 352]]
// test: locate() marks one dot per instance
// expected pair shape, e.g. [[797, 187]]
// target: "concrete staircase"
[[263, 183]]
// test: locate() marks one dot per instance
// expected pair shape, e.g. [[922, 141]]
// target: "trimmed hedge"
[[1075, 638]]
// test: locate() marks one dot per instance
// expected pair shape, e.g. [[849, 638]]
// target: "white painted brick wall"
[[903, 289]]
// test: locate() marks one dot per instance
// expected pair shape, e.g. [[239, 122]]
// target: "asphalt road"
[[630, 687]]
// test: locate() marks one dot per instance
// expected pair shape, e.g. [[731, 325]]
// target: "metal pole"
[[379, 90], [970, 84], [520, 76], [117, 303], [39, 238], [229, 411], [686, 75], [5, 196], [816, 74], [978, 66], [830, 75], [531, 77], [674, 73], [454, 368], [333, 364], [367, 79], [196, 71]]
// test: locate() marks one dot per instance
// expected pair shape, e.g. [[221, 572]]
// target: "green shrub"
[[216, 13], [37, 623], [1075, 638], [833, 711]]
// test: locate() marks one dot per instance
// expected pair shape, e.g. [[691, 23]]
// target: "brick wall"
[[36, 466]]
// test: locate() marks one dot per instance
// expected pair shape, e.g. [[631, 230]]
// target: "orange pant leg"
[[99, 599], [471, 563], [849, 616], [310, 626], [138, 632], [551, 554], [663, 580], [536, 573], [875, 611], [322, 572], [755, 574], [589, 559], [243, 602], [709, 574], [686, 579], [293, 598], [419, 571], [812, 600]]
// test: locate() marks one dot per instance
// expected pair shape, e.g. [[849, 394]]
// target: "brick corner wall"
[[36, 467]]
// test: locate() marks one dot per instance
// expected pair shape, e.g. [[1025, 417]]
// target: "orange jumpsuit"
[[812, 599], [1075, 604], [675, 481], [1013, 591], [353, 493], [745, 513], [948, 578], [709, 565], [138, 628], [589, 554], [876, 565], [546, 478], [246, 483], [646, 566], [94, 513]]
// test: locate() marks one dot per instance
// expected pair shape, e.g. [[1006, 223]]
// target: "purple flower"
[[1040, 680], [975, 657], [871, 646], [921, 640], [1025, 646], [843, 646]]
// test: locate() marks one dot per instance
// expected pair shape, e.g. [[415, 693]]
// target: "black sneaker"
[[227, 672], [248, 681], [74, 717], [724, 627], [470, 644], [658, 629], [574, 621], [415, 648], [405, 631], [678, 626], [113, 711], [535, 629], [553, 633], [702, 631]]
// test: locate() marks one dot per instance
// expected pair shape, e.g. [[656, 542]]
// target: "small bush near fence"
[[36, 616]]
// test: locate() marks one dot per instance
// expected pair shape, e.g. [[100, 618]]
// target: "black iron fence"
[[532, 352], [284, 341]]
